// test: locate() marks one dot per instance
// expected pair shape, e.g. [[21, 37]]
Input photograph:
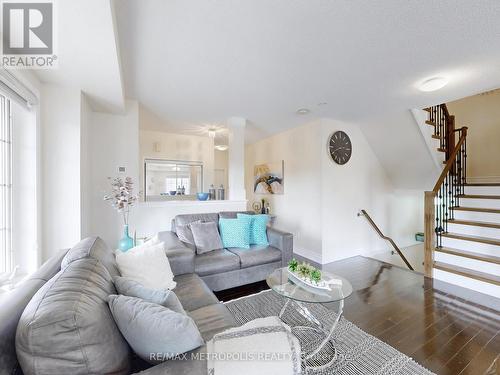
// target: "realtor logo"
[[28, 34]]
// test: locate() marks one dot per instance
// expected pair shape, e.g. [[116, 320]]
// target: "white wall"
[[359, 184], [60, 172], [481, 114], [85, 197], [322, 199], [113, 142], [298, 210], [398, 143]]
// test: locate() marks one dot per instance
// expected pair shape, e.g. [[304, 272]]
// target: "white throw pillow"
[[148, 265]]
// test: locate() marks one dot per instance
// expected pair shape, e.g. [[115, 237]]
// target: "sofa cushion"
[[193, 292], [235, 232], [216, 261], [92, 247], [170, 240], [206, 237], [258, 228], [233, 214], [212, 319], [12, 306], [148, 266], [155, 332], [163, 297], [52, 266], [256, 255], [67, 327], [189, 218], [185, 234]]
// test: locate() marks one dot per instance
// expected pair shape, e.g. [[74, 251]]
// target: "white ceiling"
[[88, 57], [194, 62]]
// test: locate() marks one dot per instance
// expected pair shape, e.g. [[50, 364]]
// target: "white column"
[[236, 156]]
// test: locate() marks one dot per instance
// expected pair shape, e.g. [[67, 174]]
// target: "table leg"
[[328, 336], [304, 311]]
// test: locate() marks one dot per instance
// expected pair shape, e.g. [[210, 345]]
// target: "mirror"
[[172, 179]]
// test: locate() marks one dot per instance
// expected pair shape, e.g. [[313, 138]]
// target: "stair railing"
[[444, 127], [439, 203], [377, 229]]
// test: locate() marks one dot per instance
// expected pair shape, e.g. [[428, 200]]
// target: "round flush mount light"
[[221, 147], [433, 84], [303, 111]]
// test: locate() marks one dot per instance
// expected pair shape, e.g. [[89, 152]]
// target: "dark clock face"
[[340, 147]]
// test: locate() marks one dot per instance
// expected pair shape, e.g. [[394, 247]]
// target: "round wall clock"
[[339, 147]]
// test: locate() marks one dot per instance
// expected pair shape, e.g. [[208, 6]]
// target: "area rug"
[[358, 353]]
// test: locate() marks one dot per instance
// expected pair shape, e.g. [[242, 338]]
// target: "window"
[[163, 178], [5, 185]]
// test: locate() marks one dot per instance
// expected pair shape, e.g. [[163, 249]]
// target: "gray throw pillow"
[[206, 237], [164, 297], [185, 234], [154, 332]]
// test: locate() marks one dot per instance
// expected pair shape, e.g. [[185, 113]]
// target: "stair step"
[[427, 110], [474, 196], [467, 237], [481, 276], [430, 123], [474, 223], [441, 149], [435, 136], [469, 254], [482, 184], [477, 209]]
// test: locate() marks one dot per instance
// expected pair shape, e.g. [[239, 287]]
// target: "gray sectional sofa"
[[57, 321], [228, 268]]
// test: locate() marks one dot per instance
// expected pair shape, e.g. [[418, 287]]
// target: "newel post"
[[429, 232], [450, 132]]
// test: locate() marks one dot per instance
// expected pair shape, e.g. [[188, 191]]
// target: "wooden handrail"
[[372, 223], [451, 159]]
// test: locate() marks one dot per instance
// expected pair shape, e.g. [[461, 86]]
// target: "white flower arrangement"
[[121, 196]]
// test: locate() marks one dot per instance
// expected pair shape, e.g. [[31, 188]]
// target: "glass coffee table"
[[322, 354]]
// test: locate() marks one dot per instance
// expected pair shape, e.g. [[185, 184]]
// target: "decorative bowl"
[[173, 192], [202, 196]]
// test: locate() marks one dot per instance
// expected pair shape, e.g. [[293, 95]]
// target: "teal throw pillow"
[[235, 232], [258, 228]]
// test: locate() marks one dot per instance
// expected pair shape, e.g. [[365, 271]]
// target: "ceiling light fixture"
[[433, 84], [221, 147], [303, 111], [211, 132]]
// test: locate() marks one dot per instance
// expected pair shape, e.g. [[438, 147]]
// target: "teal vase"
[[126, 242]]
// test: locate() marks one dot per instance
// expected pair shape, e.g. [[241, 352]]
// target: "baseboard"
[[485, 179], [306, 253]]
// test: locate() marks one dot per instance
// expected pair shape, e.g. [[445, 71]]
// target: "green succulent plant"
[[304, 269], [315, 275], [293, 264]]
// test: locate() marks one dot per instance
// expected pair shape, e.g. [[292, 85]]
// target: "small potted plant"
[[309, 275]]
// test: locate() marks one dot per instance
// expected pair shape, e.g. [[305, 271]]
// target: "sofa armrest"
[[180, 257], [282, 241]]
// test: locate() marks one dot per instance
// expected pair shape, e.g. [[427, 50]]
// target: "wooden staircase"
[[462, 220]]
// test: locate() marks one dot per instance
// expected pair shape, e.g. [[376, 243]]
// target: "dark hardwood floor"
[[448, 329]]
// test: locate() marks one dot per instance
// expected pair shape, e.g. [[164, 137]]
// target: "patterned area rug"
[[358, 353]]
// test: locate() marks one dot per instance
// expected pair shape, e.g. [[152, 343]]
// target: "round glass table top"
[[284, 284]]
